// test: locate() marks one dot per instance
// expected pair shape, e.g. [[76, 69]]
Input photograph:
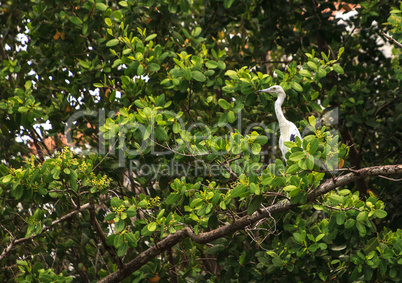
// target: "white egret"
[[288, 130]]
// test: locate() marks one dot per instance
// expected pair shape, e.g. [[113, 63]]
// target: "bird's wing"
[[293, 133]]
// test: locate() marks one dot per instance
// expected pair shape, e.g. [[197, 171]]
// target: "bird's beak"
[[264, 90]]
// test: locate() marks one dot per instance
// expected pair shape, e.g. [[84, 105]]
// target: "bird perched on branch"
[[288, 130]]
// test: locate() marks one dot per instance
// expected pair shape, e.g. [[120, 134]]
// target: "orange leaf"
[[57, 35], [154, 279], [340, 163]]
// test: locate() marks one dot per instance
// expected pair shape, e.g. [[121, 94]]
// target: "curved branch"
[[44, 229], [243, 222]]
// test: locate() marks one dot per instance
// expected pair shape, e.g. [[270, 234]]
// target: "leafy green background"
[[161, 67]]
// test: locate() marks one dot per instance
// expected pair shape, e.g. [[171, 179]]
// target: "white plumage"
[[288, 130]]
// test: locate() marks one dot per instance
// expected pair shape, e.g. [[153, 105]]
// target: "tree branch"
[[243, 222], [44, 229], [390, 39], [102, 237]]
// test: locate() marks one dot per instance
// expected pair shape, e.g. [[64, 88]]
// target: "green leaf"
[[119, 226], [147, 133], [310, 162], [232, 74], [227, 3], [221, 65], [340, 217], [187, 73], [131, 239], [343, 192], [313, 146], [319, 237], [7, 179], [255, 148], [338, 69], [289, 188], [122, 250], [254, 204], [176, 128], [150, 37], [324, 56], [215, 249], [261, 139], [211, 64], [362, 216], [23, 109], [172, 198], [336, 199], [153, 67], [115, 202], [198, 76], [17, 192], [349, 224], [196, 32], [340, 52], [118, 241], [140, 70], [160, 133], [152, 226], [292, 169], [238, 191], [312, 65], [361, 228], [224, 104], [294, 192], [101, 6], [296, 86], [380, 213], [84, 64], [305, 73], [296, 156], [321, 73], [312, 121], [131, 211], [231, 116], [123, 3], [112, 42], [75, 20]]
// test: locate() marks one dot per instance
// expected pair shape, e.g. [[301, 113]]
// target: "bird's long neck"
[[278, 110]]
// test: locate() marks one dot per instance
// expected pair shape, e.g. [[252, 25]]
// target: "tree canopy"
[[133, 146]]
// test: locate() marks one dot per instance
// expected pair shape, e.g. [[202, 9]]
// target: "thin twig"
[[391, 179]]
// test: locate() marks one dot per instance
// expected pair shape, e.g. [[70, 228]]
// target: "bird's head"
[[276, 89]]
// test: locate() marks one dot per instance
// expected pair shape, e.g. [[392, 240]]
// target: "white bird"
[[288, 130]]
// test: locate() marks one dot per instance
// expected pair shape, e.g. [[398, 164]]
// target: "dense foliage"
[[161, 163]]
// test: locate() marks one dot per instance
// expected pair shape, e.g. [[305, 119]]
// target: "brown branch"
[[390, 39], [384, 106], [44, 229], [244, 221], [102, 237]]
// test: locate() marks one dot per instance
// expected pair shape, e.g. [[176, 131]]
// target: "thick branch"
[[44, 229], [243, 222]]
